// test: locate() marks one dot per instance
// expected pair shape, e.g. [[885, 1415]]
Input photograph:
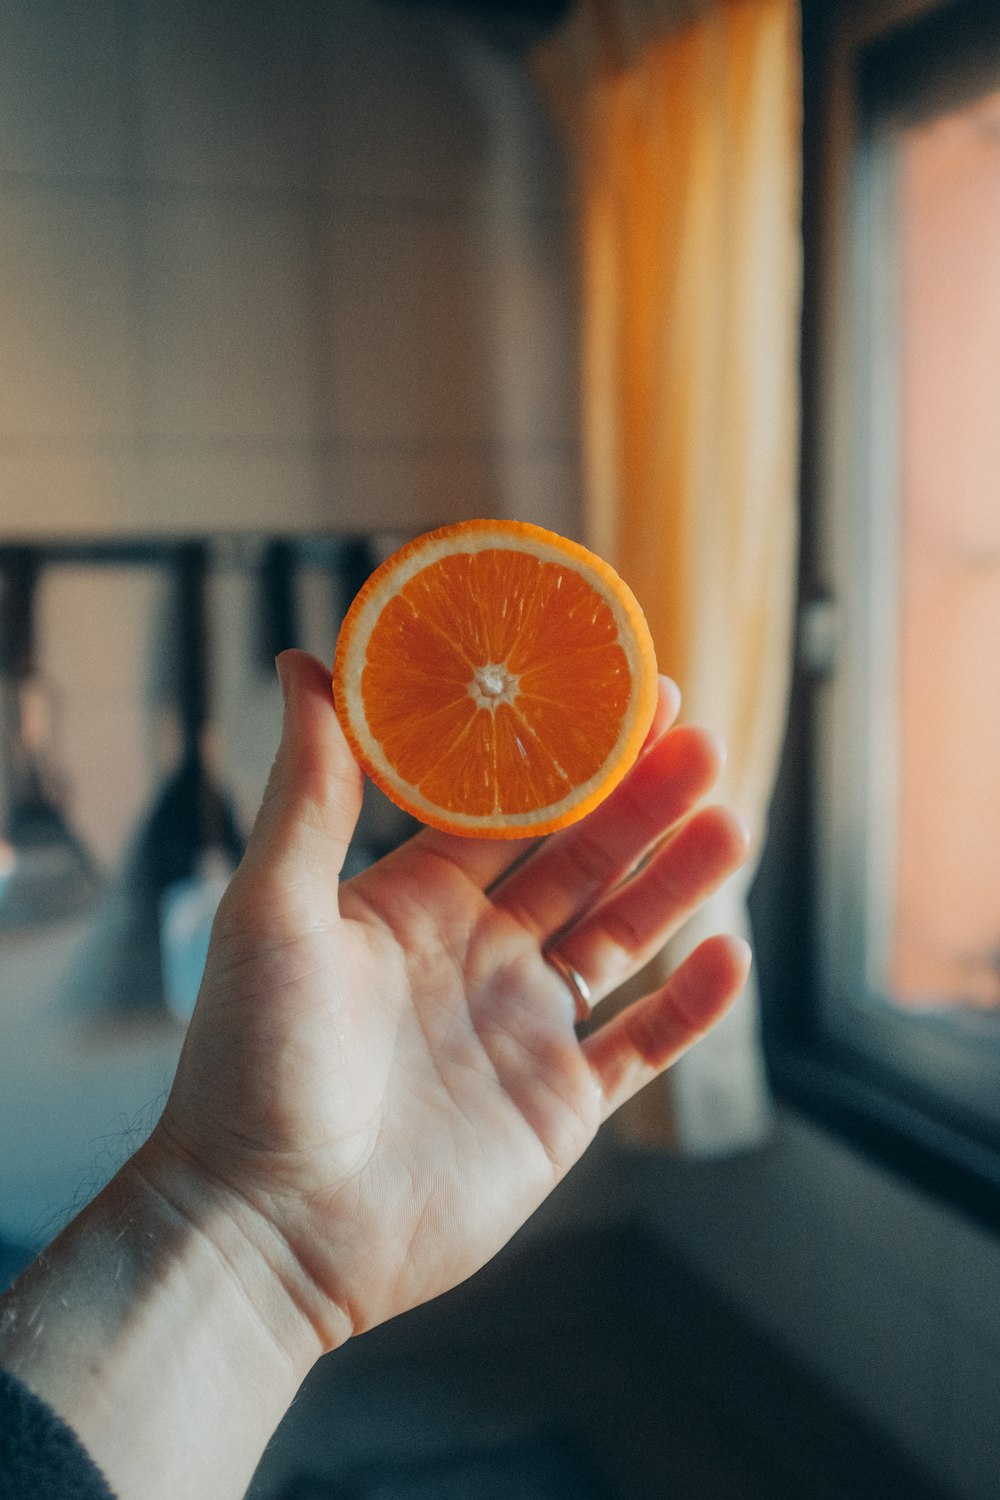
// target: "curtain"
[[684, 127]]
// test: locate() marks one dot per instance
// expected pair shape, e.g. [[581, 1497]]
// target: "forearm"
[[161, 1326]]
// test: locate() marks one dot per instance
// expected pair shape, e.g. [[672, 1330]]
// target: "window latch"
[[819, 636]]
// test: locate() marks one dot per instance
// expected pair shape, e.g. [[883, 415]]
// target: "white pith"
[[493, 684]]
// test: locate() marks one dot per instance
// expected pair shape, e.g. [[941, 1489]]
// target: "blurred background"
[[284, 284]]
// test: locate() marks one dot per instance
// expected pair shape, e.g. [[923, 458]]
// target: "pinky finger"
[[640, 1042]]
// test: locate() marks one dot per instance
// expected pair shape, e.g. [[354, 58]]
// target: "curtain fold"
[[683, 120]]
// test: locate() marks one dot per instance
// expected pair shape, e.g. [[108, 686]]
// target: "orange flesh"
[[471, 739]]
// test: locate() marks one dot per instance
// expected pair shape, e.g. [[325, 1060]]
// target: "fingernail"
[[743, 824], [721, 748], [281, 667]]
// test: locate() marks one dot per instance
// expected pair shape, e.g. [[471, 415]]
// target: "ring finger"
[[623, 932]]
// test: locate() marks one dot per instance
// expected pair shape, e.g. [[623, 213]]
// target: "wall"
[[298, 263], [296, 266]]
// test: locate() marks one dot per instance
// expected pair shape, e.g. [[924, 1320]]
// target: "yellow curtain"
[[684, 126]]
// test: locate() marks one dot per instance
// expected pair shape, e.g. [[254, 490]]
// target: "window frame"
[[913, 1092]]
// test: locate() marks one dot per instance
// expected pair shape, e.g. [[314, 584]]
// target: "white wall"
[[283, 266]]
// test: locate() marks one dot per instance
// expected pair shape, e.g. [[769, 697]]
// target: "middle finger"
[[565, 874]]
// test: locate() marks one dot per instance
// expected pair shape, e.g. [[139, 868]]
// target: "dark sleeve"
[[39, 1454]]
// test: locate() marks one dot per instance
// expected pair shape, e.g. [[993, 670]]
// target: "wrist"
[[167, 1327], [249, 1249]]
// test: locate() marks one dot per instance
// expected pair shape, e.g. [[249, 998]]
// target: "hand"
[[387, 1077]]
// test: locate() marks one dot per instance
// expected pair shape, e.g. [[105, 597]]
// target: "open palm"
[[390, 1074]]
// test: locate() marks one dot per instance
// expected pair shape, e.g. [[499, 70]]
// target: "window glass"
[[944, 934]]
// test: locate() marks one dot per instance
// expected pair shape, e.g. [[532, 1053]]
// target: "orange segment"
[[495, 679]]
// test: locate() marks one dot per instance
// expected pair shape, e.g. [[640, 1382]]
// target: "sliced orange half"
[[495, 679]]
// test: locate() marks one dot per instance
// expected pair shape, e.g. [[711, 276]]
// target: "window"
[[942, 944], [889, 810]]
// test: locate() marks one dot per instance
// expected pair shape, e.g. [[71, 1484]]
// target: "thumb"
[[313, 795]]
